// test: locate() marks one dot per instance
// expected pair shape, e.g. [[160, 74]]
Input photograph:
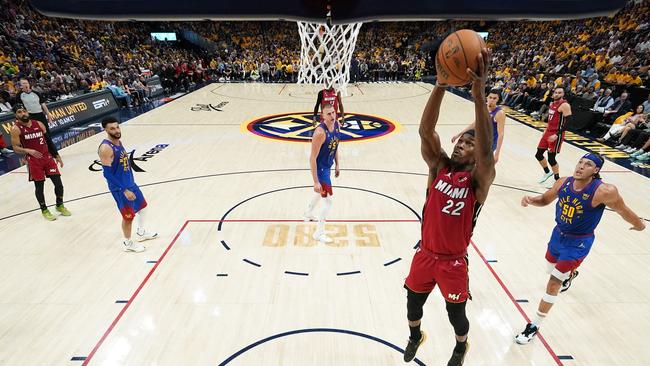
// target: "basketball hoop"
[[325, 53]]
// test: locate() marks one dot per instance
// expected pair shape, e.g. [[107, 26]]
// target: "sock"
[[43, 206], [546, 170], [460, 346], [320, 227], [139, 219], [539, 318], [556, 176], [126, 240], [415, 332], [313, 203]]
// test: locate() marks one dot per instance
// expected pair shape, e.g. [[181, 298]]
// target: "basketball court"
[[235, 278]]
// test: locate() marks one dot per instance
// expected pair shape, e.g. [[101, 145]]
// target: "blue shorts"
[[128, 208], [568, 251], [323, 175]]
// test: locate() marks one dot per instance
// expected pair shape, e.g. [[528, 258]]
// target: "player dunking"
[[29, 137], [498, 119], [324, 152], [581, 202], [329, 96], [127, 194], [457, 188], [559, 115]]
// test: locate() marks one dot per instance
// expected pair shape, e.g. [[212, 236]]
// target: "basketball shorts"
[[127, 208], [39, 168], [566, 252], [450, 273], [325, 182], [553, 146]]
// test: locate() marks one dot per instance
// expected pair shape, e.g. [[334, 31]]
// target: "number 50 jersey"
[[450, 213]]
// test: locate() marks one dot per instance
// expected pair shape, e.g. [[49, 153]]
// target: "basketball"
[[457, 53]]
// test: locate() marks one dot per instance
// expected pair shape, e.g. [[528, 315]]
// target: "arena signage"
[[298, 127], [69, 112]]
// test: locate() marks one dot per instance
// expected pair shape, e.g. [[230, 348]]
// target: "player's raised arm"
[[430, 141], [545, 198], [484, 172]]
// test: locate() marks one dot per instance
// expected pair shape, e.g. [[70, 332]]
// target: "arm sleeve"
[[319, 100], [50, 145], [564, 122]]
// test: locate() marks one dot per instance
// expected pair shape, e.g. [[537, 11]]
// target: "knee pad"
[[414, 304], [551, 159], [539, 155], [457, 317]]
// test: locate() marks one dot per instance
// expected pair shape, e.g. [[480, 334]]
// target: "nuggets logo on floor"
[[299, 127]]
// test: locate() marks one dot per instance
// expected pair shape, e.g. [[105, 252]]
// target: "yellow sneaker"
[[48, 215], [63, 211]]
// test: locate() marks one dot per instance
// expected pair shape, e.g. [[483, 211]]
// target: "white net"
[[326, 52]]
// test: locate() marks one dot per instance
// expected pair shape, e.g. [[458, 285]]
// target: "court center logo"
[[298, 127]]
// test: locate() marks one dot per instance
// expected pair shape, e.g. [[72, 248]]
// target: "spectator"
[[604, 102]]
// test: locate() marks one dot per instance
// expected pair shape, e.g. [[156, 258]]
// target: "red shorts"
[[39, 168], [554, 146], [325, 189], [449, 272]]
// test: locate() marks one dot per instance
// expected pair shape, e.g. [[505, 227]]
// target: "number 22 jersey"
[[450, 213]]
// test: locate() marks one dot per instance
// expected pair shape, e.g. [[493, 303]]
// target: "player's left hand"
[[59, 160], [553, 138], [337, 171]]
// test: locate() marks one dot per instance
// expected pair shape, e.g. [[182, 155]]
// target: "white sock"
[[313, 203], [126, 240], [539, 318], [139, 219], [320, 228]]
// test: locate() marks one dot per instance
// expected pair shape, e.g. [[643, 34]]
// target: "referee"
[[34, 104]]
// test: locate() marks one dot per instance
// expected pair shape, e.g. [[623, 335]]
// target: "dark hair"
[[109, 120]]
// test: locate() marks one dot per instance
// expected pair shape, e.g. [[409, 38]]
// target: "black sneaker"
[[457, 358], [527, 335], [567, 283], [412, 347]]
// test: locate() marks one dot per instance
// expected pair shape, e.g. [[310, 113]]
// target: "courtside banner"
[[69, 112]]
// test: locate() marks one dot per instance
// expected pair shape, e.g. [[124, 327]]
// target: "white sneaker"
[[130, 246], [629, 149], [145, 235], [6, 151], [308, 216], [622, 147], [643, 157], [527, 335], [545, 177], [322, 238]]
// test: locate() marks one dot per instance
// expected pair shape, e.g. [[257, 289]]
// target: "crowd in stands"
[[603, 59]]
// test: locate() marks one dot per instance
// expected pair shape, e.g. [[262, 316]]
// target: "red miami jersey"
[[450, 213], [33, 137], [330, 97], [555, 117]]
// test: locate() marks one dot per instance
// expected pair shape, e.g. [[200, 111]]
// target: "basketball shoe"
[[142, 235], [412, 347], [527, 335], [458, 357], [545, 177], [130, 246]]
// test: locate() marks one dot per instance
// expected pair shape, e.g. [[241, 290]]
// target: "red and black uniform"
[[450, 214], [327, 96], [556, 126], [33, 137]]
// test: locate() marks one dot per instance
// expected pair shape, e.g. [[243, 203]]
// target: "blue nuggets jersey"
[[120, 167], [327, 153], [574, 214], [495, 131]]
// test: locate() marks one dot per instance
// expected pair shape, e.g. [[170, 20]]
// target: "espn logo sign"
[[99, 104]]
